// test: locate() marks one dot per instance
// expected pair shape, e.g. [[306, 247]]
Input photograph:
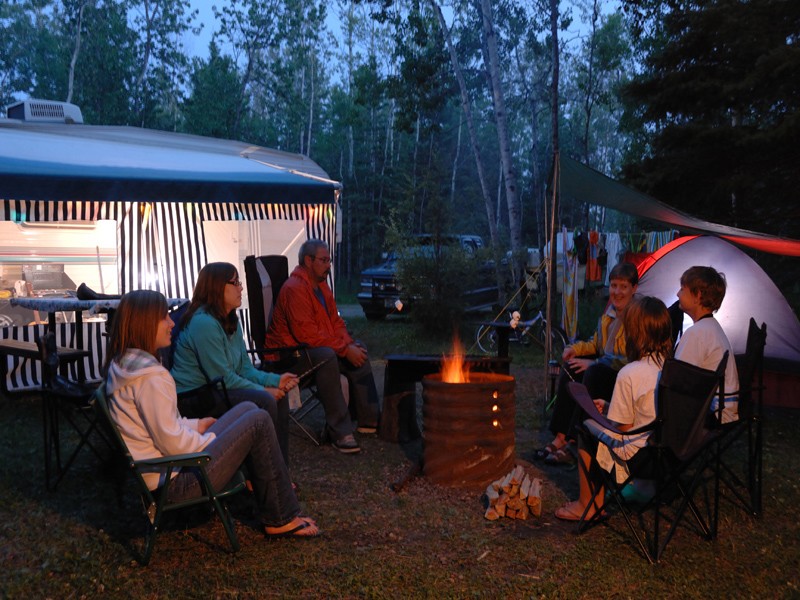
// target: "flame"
[[454, 367]]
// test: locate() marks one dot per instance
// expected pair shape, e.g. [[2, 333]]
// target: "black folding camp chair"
[[675, 457], [743, 478], [264, 276], [64, 401]]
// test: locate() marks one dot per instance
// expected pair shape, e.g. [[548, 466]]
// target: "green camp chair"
[[155, 503]]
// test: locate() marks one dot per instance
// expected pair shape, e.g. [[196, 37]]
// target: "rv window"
[[47, 259]]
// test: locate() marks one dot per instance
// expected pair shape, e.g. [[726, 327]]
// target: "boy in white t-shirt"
[[704, 343]]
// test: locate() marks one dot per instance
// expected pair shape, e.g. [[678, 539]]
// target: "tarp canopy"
[[750, 292], [582, 183], [73, 162]]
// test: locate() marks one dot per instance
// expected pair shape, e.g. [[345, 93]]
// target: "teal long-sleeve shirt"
[[205, 340]]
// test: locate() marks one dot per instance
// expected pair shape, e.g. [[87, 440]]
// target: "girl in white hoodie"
[[143, 405]]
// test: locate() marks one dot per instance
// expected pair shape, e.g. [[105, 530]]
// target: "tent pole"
[[548, 349]]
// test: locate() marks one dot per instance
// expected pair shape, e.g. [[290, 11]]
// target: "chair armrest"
[[191, 459], [581, 396]]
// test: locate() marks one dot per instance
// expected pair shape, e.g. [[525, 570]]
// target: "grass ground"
[[425, 542]]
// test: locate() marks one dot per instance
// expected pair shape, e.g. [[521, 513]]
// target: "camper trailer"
[[125, 208]]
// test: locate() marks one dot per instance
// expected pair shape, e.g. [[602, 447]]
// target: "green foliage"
[[718, 108], [436, 275], [212, 107]]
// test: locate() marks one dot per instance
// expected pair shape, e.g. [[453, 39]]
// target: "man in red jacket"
[[306, 314]]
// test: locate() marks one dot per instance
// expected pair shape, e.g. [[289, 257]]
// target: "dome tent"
[[750, 293]]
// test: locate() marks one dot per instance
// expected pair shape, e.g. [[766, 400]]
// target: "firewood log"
[[491, 514], [517, 474], [535, 498], [492, 495], [525, 487], [515, 503]]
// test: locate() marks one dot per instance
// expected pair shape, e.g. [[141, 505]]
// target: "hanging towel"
[[613, 246], [593, 270], [569, 298]]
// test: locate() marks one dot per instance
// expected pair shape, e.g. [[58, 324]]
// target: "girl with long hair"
[[211, 345], [648, 343], [143, 405]]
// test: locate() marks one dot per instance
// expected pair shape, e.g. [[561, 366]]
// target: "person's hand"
[[356, 354], [579, 365], [276, 393], [569, 352], [601, 405], [204, 423], [288, 381]]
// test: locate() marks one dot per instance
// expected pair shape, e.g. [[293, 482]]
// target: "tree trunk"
[[455, 160], [509, 174], [466, 107], [548, 351], [75, 52]]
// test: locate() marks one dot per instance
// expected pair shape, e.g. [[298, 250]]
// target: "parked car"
[[380, 289]]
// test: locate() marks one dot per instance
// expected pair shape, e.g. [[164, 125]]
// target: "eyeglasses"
[[235, 282], [326, 260]]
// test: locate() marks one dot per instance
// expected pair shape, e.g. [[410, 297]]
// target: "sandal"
[[574, 512], [543, 453], [562, 456], [299, 531]]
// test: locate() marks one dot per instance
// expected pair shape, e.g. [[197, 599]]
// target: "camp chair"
[[264, 276], [68, 401], [675, 457], [744, 478], [155, 503]]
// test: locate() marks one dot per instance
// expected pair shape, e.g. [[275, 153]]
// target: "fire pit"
[[468, 427]]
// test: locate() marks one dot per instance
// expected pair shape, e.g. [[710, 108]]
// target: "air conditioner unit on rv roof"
[[50, 111]]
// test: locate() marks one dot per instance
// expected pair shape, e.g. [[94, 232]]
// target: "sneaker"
[[347, 445], [367, 429]]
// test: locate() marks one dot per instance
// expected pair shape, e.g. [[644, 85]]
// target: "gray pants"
[[363, 405]]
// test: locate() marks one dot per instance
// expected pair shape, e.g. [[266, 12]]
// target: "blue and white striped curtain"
[[161, 246]]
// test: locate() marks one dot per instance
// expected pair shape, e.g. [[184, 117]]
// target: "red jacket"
[[300, 318]]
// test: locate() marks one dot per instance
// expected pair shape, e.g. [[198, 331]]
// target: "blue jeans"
[[245, 434], [278, 410]]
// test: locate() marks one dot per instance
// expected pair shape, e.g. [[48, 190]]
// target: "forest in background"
[[444, 114]]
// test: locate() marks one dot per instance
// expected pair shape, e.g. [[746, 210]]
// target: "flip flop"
[[562, 456], [565, 513], [543, 453], [296, 532]]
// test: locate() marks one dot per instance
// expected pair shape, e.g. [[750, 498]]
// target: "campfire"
[[468, 423], [454, 367]]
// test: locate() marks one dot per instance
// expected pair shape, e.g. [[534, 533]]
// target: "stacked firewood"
[[515, 496]]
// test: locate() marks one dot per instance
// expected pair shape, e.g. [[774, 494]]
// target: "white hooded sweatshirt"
[[144, 405]]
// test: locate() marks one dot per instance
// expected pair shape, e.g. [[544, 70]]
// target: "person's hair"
[[209, 293], [626, 271], [135, 324], [309, 248], [648, 329], [709, 283]]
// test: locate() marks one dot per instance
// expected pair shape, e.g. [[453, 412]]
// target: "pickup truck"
[[380, 289]]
